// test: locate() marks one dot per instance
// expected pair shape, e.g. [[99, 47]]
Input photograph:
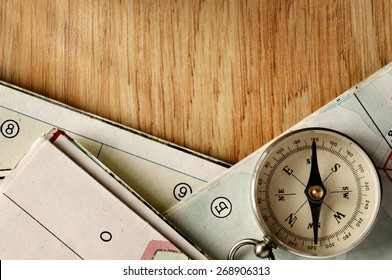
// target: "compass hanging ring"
[[262, 248]]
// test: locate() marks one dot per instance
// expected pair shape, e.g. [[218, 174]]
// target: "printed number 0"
[[10, 129], [105, 236]]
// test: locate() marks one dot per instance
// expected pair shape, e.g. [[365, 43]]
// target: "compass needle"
[[315, 191], [343, 192]]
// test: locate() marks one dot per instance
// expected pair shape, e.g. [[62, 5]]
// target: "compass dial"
[[316, 192]]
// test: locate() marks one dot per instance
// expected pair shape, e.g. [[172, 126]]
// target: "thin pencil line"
[[379, 130], [42, 225]]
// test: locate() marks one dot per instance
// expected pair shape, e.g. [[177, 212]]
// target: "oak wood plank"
[[219, 77]]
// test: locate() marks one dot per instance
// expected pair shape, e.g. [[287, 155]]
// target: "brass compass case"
[[316, 193]]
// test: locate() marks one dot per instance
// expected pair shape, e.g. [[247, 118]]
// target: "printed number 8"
[[10, 129]]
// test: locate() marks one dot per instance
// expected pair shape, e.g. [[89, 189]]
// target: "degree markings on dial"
[[331, 150], [357, 169], [345, 218], [320, 242], [338, 154], [273, 167]]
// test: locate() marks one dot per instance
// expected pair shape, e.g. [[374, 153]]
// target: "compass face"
[[316, 192]]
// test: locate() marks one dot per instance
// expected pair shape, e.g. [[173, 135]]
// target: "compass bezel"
[[254, 185]]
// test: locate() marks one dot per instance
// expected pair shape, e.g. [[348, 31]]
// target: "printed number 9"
[[181, 190]]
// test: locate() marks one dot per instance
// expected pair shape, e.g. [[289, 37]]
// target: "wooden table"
[[218, 77]]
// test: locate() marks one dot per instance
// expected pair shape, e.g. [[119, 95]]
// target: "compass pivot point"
[[316, 192]]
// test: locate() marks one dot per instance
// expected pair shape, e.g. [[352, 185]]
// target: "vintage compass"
[[316, 193]]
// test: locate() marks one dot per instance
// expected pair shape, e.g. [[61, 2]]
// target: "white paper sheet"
[[59, 207]]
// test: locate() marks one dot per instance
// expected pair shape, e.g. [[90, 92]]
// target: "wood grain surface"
[[218, 77]]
